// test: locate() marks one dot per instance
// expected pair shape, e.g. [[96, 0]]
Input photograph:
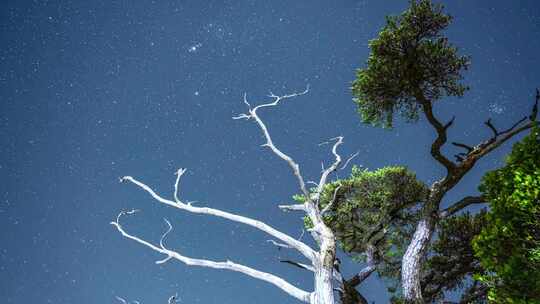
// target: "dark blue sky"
[[94, 90]]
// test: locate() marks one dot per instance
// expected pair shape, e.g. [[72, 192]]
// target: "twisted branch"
[[296, 292], [269, 143], [301, 247], [461, 204]]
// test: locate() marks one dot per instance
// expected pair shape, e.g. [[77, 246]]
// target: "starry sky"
[[94, 90]]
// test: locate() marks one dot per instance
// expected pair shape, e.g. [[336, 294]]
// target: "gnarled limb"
[[367, 270], [295, 207], [494, 142], [441, 133], [322, 261], [296, 292], [461, 204], [327, 171], [269, 143], [301, 247], [499, 137], [455, 172]]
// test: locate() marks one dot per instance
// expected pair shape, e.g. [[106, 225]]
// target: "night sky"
[[94, 90]]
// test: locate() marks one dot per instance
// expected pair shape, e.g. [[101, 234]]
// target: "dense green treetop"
[[411, 63], [509, 247]]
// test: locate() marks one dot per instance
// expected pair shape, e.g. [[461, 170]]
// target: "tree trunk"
[[412, 261], [324, 268]]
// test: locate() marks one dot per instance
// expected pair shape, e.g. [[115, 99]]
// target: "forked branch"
[[441, 132], [311, 201], [269, 143], [292, 242], [321, 261], [327, 171], [499, 137], [292, 290]]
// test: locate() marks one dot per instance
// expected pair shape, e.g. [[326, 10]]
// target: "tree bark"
[[412, 261], [415, 254], [324, 268]]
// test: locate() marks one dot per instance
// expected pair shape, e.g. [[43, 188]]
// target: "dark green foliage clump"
[[509, 247], [376, 208], [411, 62], [369, 203]]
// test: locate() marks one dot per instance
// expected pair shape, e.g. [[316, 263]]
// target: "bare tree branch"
[[290, 289], [332, 168], [514, 125], [301, 247], [464, 146], [279, 245], [121, 300], [441, 132], [269, 143], [534, 112], [299, 265], [349, 159], [460, 205], [173, 299], [491, 127], [295, 207], [320, 232], [179, 174], [367, 270], [322, 261], [494, 142]]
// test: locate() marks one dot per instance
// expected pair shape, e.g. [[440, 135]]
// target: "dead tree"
[[320, 261]]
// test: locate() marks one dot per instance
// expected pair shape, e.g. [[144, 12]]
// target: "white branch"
[[269, 143], [332, 168], [179, 174], [228, 265], [295, 207], [173, 299], [279, 245], [299, 265], [301, 247], [121, 300], [311, 202], [321, 262], [349, 159]]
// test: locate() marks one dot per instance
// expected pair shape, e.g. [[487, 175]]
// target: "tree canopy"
[[373, 205], [509, 246], [410, 62]]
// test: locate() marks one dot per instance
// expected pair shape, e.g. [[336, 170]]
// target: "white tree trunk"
[[324, 293], [324, 268], [412, 261]]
